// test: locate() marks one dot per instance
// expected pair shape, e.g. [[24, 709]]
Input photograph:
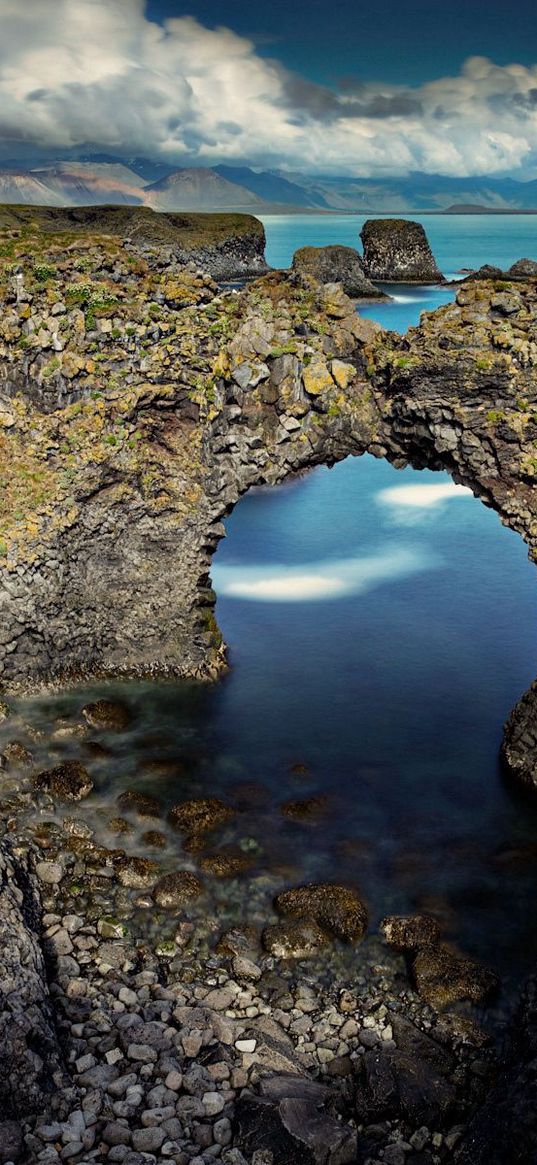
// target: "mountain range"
[[141, 182]]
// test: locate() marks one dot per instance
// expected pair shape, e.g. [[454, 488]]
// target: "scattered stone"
[[143, 804], [137, 873]]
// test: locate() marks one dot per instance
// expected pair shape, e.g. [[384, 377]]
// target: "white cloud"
[[98, 71]]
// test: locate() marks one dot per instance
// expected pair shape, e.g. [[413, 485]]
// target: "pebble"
[[213, 1103]]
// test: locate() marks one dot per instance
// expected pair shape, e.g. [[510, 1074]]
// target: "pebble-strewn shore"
[[185, 1038]]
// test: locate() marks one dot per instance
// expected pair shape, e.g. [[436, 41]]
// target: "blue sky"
[[376, 90], [389, 40]]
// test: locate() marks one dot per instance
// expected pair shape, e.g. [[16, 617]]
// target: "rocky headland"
[[138, 400]]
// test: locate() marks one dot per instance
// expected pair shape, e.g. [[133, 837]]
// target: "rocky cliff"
[[396, 250], [226, 246], [138, 402]]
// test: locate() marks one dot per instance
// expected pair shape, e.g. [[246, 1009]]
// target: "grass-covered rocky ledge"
[[138, 401]]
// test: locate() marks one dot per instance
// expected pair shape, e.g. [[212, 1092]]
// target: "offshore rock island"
[[139, 398]]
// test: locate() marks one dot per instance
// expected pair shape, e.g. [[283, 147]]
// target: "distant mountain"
[[16, 187], [85, 183], [197, 189], [101, 178], [270, 186]]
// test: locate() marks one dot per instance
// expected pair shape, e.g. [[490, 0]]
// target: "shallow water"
[[381, 624]]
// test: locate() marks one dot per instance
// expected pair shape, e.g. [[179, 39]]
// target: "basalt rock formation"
[[138, 402], [337, 265], [31, 1067], [396, 250]]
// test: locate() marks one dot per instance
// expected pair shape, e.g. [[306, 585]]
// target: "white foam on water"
[[324, 580], [422, 497]]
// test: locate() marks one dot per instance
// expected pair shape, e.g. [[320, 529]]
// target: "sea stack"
[[397, 251], [337, 264]]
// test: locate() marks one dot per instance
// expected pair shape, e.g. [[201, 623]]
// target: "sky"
[[342, 88]]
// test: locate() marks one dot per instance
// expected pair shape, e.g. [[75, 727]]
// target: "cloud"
[[77, 73], [325, 580]]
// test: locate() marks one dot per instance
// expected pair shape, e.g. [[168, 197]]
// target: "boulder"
[[443, 978], [523, 269], [295, 1131], [337, 908], [69, 781], [337, 265], [397, 251]]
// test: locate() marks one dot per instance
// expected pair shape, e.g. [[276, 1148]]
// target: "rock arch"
[[107, 571]]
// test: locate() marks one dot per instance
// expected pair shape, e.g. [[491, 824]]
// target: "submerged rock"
[[176, 889], [109, 715], [443, 978], [69, 781], [143, 804], [397, 251], [337, 264], [409, 932], [337, 908], [17, 755], [226, 864], [199, 815], [295, 939], [136, 873]]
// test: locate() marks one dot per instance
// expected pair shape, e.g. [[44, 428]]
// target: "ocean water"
[[458, 241]]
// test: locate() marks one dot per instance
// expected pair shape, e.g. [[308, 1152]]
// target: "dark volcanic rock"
[[294, 1130], [519, 747], [505, 1128], [31, 1068], [523, 269], [397, 251], [337, 265], [401, 1084]]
